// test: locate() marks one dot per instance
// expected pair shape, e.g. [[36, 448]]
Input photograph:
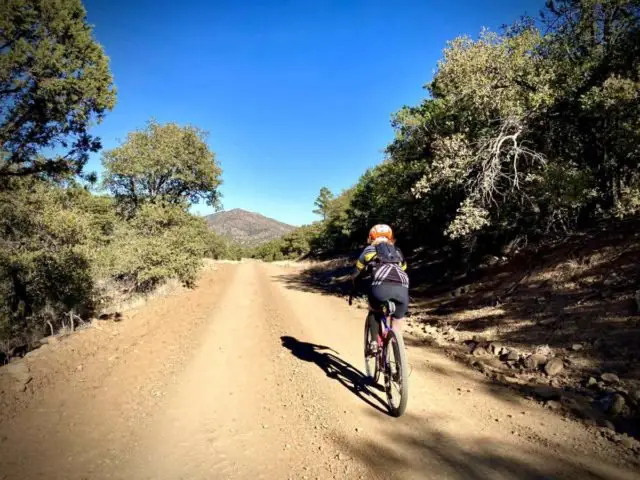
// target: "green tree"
[[54, 83], [162, 162], [322, 202]]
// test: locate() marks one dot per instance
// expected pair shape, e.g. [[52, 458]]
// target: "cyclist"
[[383, 263]]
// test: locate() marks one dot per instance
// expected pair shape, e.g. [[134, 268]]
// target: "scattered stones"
[[492, 363], [617, 404], [479, 366], [591, 382], [512, 356], [627, 441], [554, 404], [479, 340], [610, 378], [554, 366], [532, 362], [480, 352], [576, 347], [495, 348]]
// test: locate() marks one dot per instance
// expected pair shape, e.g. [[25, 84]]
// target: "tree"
[[322, 202], [54, 83], [162, 162]]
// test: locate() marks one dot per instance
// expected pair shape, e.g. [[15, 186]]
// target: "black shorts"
[[390, 291]]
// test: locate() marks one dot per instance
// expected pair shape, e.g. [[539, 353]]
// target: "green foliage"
[[292, 246], [526, 133], [222, 248], [54, 82], [60, 244], [166, 162], [44, 269], [161, 241], [322, 202]]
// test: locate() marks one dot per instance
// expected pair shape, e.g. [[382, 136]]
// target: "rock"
[[492, 363], [513, 356], [532, 362], [617, 404], [627, 441], [44, 341], [79, 368], [610, 378], [480, 352], [553, 404], [634, 396], [340, 457], [480, 340], [495, 348], [576, 347], [591, 382], [479, 366], [554, 366]]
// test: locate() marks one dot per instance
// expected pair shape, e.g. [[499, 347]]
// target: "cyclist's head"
[[380, 233]]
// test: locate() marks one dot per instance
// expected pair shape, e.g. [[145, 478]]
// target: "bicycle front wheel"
[[396, 374]]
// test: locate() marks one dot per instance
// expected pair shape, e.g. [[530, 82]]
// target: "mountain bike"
[[390, 358]]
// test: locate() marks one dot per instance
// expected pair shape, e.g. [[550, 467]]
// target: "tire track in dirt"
[[249, 376]]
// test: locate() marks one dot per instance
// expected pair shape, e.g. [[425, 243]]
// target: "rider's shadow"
[[335, 367]]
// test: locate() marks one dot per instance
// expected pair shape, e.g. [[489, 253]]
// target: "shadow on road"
[[417, 448], [336, 368]]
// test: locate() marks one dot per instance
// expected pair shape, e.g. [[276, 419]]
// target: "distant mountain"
[[247, 228]]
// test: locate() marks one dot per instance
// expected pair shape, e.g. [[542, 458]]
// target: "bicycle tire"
[[396, 344], [373, 373]]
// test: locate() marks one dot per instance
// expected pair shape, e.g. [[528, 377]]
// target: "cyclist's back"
[[386, 267]]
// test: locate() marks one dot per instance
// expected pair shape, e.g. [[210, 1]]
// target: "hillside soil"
[[253, 375]]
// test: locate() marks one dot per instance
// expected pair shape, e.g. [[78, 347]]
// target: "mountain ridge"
[[247, 228]]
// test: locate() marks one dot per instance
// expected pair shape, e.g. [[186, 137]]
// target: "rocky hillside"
[[247, 228]]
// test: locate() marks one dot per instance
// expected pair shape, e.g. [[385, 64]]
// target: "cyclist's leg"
[[373, 321], [400, 297]]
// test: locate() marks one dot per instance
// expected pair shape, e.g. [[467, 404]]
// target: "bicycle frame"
[[385, 327]]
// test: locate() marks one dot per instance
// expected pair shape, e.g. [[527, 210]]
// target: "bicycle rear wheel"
[[396, 374], [370, 361]]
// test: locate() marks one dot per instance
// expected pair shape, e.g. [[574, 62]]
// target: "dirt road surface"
[[250, 376]]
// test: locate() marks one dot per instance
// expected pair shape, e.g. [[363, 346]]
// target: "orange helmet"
[[380, 231]]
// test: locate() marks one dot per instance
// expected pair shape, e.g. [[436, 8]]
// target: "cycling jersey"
[[383, 273]]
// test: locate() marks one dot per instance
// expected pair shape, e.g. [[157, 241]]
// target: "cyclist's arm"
[[361, 264], [403, 265]]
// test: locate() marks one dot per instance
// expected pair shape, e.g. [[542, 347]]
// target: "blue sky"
[[296, 95]]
